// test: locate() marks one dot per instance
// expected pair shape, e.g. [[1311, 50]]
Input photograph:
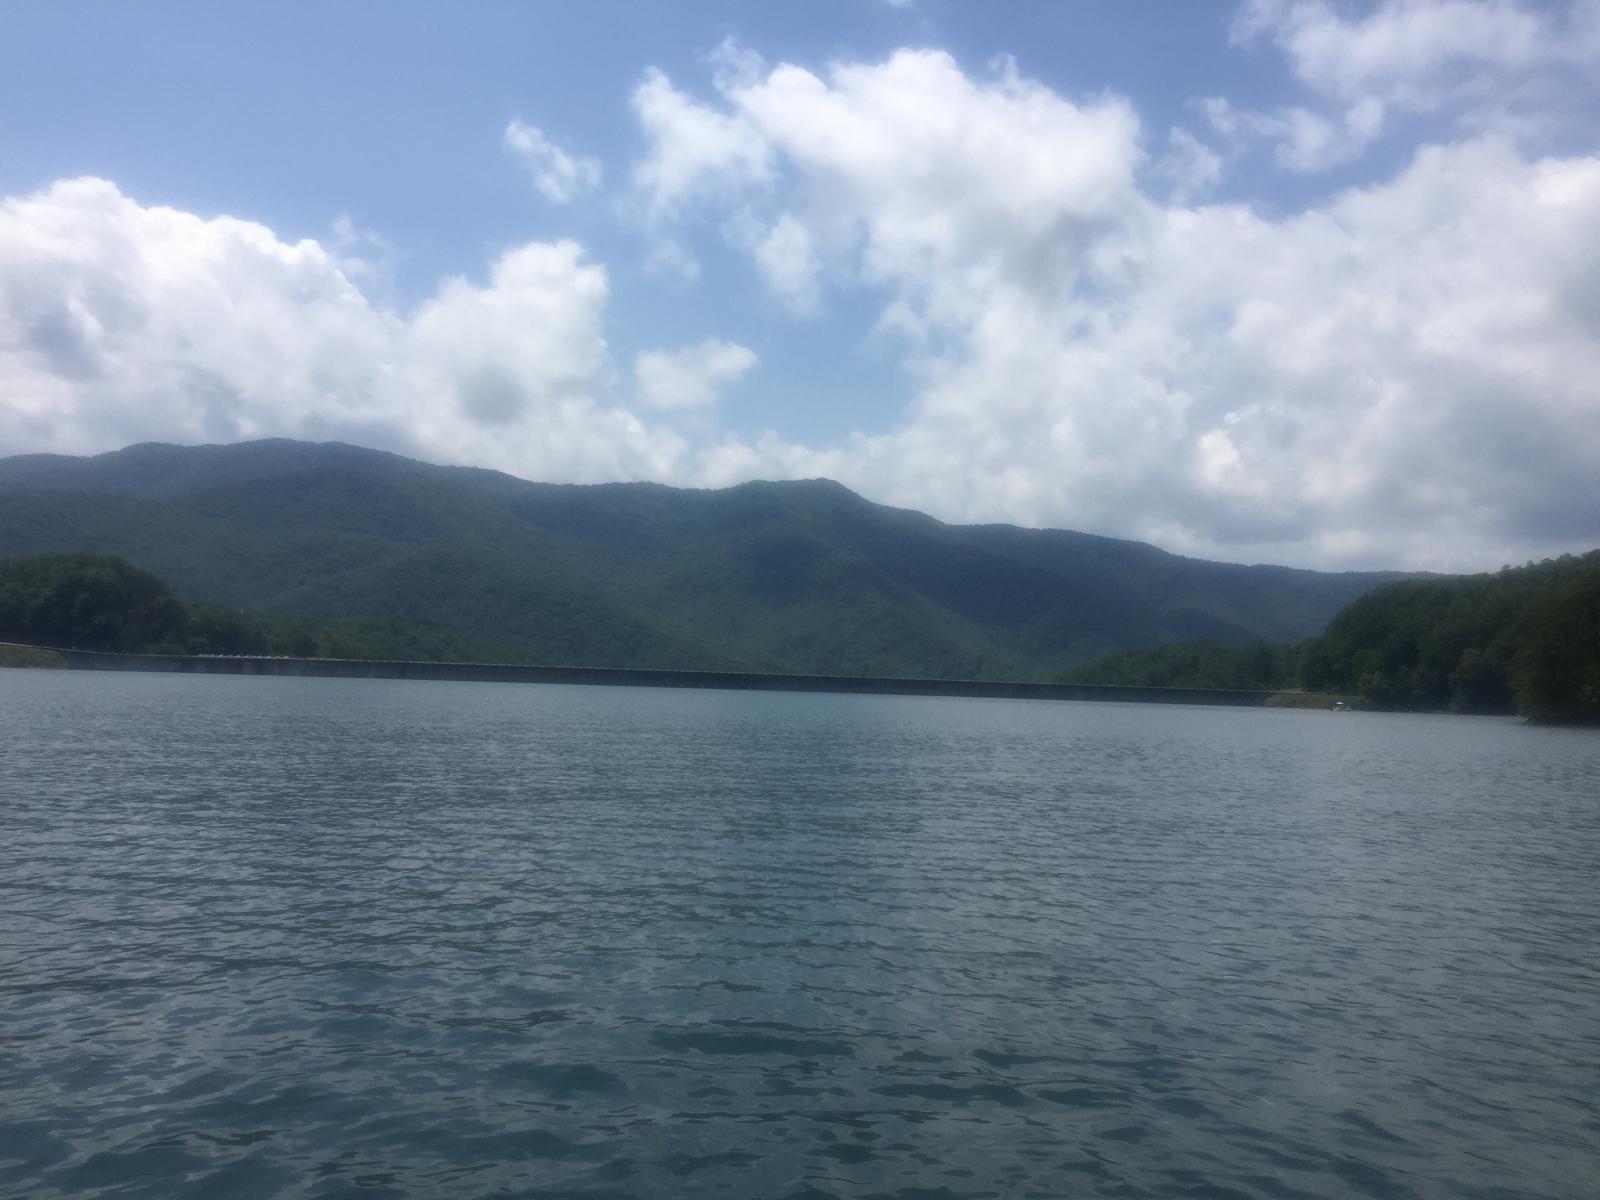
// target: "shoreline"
[[751, 681]]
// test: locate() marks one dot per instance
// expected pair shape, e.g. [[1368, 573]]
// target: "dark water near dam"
[[320, 937]]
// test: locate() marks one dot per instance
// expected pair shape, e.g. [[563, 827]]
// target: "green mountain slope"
[[800, 576], [1525, 639]]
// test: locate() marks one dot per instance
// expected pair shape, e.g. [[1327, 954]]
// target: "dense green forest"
[[89, 601], [1525, 639], [1257, 667], [799, 576]]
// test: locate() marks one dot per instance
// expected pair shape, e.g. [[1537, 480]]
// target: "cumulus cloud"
[[786, 254], [1409, 52], [893, 167], [1399, 375], [695, 152], [560, 177], [690, 377], [1490, 63], [122, 323]]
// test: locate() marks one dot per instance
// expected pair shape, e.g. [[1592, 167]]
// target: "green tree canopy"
[[85, 601]]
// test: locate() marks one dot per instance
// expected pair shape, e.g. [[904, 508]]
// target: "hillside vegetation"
[[1525, 640], [802, 576], [89, 601]]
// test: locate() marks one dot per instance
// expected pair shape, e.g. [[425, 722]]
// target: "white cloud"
[[1489, 64], [1190, 166], [1305, 141], [1402, 51], [362, 254], [786, 254], [560, 177], [695, 152], [690, 377], [1402, 375], [121, 323], [733, 64], [670, 258], [892, 167]]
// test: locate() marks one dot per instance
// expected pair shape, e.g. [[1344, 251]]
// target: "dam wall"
[[338, 668]]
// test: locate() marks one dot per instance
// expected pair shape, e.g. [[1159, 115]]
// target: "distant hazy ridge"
[[801, 576]]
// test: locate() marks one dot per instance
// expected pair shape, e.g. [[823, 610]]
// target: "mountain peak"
[[789, 575]]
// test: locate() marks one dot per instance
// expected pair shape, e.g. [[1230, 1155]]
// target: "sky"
[[1285, 281]]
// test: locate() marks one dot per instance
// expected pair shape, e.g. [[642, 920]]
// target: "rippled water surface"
[[321, 937]]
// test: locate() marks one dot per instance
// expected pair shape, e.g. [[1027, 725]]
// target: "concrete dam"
[[338, 668]]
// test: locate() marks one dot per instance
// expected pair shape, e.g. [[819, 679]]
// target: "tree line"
[[1523, 640]]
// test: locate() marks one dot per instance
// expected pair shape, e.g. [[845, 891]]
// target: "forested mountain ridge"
[[794, 576]]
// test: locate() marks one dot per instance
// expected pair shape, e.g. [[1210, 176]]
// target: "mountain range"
[[800, 576]]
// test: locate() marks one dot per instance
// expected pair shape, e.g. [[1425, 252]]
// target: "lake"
[[316, 937]]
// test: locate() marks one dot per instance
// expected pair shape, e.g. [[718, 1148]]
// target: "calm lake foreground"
[[316, 937]]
